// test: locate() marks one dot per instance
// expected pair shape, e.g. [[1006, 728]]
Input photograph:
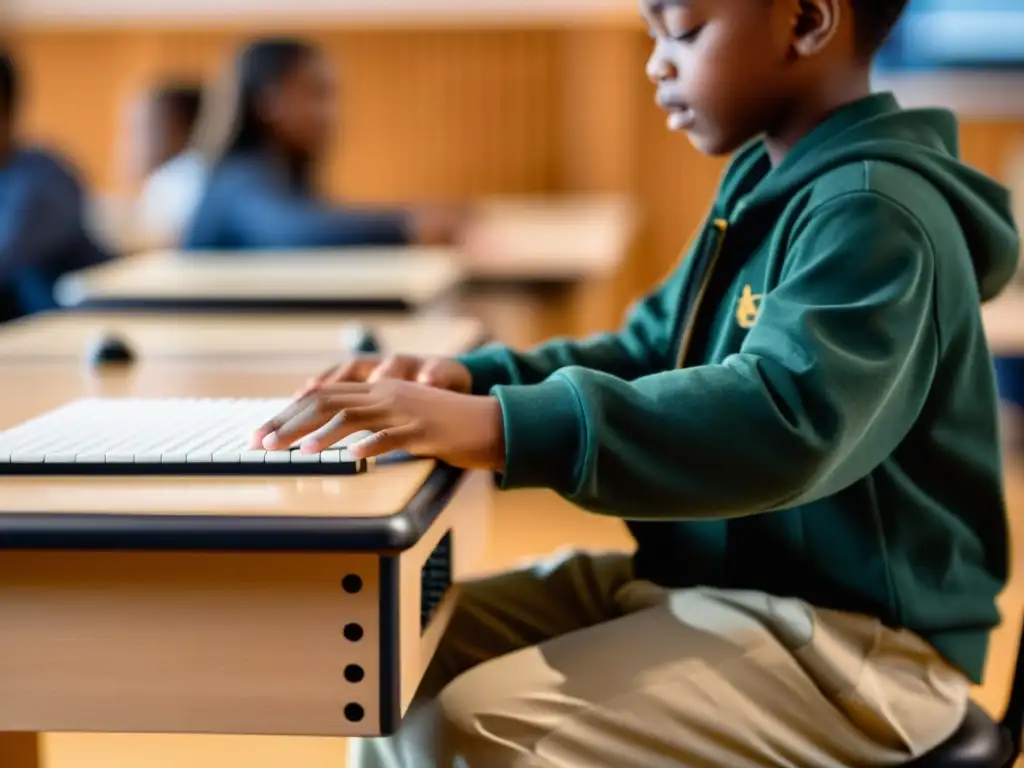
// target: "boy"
[[799, 427], [42, 230]]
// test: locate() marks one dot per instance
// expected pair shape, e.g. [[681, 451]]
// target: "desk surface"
[[523, 238], [289, 338], [395, 278], [386, 508], [549, 239]]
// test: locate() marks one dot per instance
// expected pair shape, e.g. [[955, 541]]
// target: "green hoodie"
[[807, 407]]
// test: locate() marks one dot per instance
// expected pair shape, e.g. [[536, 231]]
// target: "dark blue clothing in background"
[[42, 231], [250, 203]]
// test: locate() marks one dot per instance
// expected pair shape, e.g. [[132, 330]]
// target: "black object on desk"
[[109, 349], [361, 341]]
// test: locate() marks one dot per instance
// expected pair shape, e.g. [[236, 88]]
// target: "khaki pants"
[[575, 664]]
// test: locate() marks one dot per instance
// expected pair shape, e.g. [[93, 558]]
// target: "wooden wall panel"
[[438, 114], [433, 114]]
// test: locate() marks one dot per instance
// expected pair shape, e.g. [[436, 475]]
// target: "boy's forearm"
[[619, 355]]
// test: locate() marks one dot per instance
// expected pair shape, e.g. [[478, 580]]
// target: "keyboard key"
[[60, 458]]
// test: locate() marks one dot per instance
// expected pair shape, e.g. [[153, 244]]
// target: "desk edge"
[[210, 533]]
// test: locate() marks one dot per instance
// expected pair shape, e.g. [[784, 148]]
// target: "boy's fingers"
[[401, 438], [430, 375], [357, 369], [273, 425], [346, 423], [393, 368], [315, 413]]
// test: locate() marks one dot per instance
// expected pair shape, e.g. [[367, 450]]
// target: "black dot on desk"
[[353, 632], [352, 583], [354, 713], [354, 673]]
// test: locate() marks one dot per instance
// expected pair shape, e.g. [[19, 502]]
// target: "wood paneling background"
[[433, 113]]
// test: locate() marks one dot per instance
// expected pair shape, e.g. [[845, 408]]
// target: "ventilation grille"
[[435, 580]]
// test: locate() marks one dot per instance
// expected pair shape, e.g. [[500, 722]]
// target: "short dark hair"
[[183, 101], [8, 84], [874, 20]]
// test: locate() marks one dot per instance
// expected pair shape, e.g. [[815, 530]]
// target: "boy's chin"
[[712, 145]]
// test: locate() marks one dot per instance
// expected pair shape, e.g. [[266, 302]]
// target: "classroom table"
[[364, 279], [297, 340], [561, 239], [242, 605]]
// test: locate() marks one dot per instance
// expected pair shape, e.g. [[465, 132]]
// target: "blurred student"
[[261, 192], [42, 226], [174, 171]]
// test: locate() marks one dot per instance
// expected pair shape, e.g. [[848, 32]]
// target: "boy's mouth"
[[680, 119], [680, 116]]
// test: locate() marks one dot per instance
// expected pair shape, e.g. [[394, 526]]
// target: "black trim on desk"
[[205, 469], [224, 533], [548, 284], [389, 647]]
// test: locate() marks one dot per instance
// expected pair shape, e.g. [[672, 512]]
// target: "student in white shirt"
[[174, 172]]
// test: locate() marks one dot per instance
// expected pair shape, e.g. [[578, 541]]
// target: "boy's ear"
[[817, 23]]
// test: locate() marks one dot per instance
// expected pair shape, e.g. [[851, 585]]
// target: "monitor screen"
[[957, 34]]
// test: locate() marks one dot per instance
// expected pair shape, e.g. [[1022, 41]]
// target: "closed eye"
[[690, 35]]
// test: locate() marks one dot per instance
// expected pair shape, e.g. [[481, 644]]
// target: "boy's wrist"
[[486, 368], [496, 440]]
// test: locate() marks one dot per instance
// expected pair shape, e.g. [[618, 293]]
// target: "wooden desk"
[[302, 341], [219, 605], [216, 605], [549, 239], [395, 279]]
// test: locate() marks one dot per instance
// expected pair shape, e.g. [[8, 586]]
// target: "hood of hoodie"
[[924, 141]]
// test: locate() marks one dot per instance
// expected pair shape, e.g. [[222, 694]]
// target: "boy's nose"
[[659, 68]]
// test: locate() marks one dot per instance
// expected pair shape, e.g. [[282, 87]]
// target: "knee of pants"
[[473, 722], [456, 710]]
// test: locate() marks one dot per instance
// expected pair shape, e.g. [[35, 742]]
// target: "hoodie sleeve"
[[826, 385], [640, 348]]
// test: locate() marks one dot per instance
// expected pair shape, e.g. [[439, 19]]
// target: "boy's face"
[[723, 68]]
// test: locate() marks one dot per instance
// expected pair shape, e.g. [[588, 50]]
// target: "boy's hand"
[[438, 372], [462, 430]]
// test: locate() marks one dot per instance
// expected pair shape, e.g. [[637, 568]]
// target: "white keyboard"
[[160, 436]]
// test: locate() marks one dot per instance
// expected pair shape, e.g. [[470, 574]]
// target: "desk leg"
[[21, 750]]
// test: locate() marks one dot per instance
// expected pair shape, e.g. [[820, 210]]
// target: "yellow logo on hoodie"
[[748, 307]]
